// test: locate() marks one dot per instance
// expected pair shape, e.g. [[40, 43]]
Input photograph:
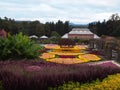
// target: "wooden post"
[[118, 55], [108, 51]]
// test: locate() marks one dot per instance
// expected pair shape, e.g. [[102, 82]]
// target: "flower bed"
[[47, 55], [81, 47], [66, 60], [51, 46], [73, 49], [112, 82], [67, 53], [91, 57], [16, 75], [67, 56]]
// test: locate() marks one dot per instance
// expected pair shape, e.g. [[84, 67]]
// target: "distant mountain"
[[78, 25]]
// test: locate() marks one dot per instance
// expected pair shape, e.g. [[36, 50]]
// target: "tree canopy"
[[110, 27], [34, 27]]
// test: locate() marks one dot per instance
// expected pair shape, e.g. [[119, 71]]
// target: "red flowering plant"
[[67, 56]]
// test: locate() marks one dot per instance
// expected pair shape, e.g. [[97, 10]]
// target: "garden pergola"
[[110, 46]]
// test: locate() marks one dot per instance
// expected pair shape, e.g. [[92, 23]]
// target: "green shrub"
[[18, 46]]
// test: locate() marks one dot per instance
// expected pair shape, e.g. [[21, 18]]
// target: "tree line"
[[110, 27], [34, 27]]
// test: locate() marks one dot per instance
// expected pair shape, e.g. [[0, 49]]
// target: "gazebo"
[[33, 36], [43, 37], [65, 35]]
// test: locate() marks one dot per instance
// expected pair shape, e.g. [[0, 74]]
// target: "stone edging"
[[100, 62]]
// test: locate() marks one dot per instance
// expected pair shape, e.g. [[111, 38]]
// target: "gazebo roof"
[[80, 31], [65, 35], [96, 37], [33, 36], [44, 36]]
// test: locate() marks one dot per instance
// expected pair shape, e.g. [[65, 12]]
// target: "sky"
[[74, 11]]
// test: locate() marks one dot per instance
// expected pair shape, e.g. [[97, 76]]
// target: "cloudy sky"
[[75, 11]]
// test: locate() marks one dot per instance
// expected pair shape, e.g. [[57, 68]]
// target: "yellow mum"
[[90, 57], [66, 60], [66, 53], [53, 46], [47, 55]]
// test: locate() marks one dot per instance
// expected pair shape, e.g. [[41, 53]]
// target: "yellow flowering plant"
[[68, 55], [47, 56], [112, 82], [91, 57]]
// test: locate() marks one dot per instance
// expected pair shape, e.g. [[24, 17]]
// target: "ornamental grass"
[[39, 75]]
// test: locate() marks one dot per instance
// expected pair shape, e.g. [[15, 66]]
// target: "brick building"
[[80, 33]]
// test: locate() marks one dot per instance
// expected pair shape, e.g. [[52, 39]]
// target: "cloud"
[[78, 11]]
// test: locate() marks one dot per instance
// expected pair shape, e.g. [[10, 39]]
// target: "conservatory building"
[[80, 33]]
